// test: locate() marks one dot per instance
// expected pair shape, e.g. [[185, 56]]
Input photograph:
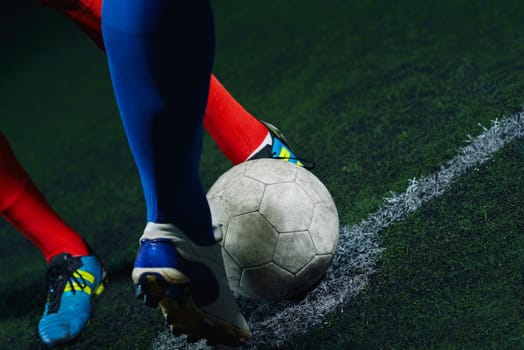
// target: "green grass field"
[[375, 93]]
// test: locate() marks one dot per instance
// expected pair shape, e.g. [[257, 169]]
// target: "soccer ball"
[[280, 228]]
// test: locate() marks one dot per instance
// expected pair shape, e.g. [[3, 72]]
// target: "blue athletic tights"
[[160, 55]]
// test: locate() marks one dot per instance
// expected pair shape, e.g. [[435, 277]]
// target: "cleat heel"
[[139, 291], [189, 284], [150, 301]]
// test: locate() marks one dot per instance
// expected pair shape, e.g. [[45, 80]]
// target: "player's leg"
[[238, 134], [85, 14], [160, 54], [22, 204]]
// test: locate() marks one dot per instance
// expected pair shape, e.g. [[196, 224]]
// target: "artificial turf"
[[375, 93], [451, 274]]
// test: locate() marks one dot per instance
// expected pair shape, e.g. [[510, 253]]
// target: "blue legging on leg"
[[160, 55]]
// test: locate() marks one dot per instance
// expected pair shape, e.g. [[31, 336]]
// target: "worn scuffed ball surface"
[[280, 227]]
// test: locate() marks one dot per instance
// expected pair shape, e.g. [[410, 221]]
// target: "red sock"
[[236, 132], [85, 13], [22, 205]]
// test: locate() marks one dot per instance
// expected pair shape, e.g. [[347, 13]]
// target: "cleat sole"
[[184, 317]]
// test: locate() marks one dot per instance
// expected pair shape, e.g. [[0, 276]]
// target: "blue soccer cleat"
[[279, 149], [189, 283], [72, 282]]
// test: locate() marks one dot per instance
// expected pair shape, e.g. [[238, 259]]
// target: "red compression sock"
[[22, 205], [237, 133]]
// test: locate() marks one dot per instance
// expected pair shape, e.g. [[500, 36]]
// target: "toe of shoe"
[[59, 329]]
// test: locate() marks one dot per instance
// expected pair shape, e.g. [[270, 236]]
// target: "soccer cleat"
[[189, 283], [279, 149], [72, 282]]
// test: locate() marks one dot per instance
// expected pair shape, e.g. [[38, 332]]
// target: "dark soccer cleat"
[[279, 149], [188, 281]]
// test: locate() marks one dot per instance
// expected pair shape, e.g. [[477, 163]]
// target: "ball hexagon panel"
[[294, 250], [268, 281], [287, 207], [313, 273], [244, 195], [324, 228], [227, 179], [315, 188], [271, 171], [250, 239]]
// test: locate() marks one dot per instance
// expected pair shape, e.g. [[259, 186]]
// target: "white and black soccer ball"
[[280, 227]]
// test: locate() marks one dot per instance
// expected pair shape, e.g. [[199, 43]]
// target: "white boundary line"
[[359, 248]]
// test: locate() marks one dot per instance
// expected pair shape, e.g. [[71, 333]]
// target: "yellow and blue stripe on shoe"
[[72, 283], [280, 149]]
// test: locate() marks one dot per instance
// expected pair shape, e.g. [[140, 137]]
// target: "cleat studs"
[[192, 339], [139, 291], [150, 300], [169, 320], [211, 342], [206, 322], [100, 289], [176, 332]]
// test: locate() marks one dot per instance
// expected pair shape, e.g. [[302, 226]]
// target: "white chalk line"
[[273, 323]]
